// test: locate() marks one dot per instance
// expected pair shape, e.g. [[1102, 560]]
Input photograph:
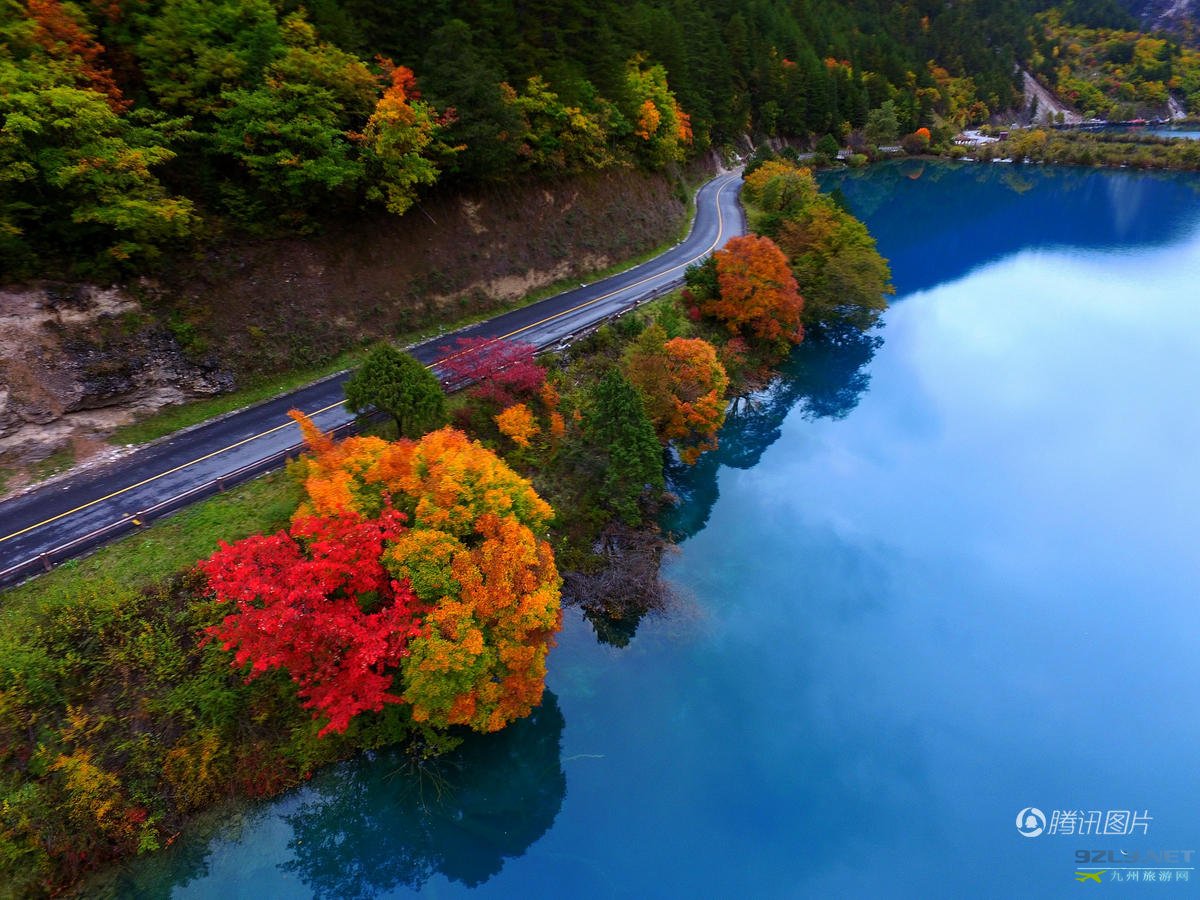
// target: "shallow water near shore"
[[930, 581]]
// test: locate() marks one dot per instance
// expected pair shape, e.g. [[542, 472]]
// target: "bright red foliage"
[[401, 77], [301, 600], [503, 372]]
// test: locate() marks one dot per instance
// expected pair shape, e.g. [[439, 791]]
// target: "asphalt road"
[[72, 516]]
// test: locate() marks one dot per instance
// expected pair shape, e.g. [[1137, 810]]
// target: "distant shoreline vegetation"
[[1089, 148]]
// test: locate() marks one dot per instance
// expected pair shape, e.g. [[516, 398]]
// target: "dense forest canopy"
[[131, 127]]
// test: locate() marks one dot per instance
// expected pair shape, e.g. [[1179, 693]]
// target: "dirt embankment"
[[78, 360], [271, 306]]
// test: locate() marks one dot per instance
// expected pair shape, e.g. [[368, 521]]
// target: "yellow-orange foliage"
[[772, 168], [791, 185], [472, 554], [757, 291], [482, 661], [683, 125], [683, 384], [649, 118], [517, 423], [335, 476], [443, 481]]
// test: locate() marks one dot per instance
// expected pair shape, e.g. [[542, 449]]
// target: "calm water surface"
[[1187, 132], [933, 581]]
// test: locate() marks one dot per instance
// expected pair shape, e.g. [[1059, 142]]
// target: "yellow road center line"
[[262, 434]]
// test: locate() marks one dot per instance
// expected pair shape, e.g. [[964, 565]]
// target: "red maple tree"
[[502, 371], [317, 602], [64, 38]]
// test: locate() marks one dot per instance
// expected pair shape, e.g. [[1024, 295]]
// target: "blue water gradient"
[[927, 583]]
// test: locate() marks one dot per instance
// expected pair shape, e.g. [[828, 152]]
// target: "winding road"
[[71, 516]]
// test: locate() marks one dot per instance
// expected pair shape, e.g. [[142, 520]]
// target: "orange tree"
[[517, 423], [756, 292], [683, 385], [474, 556], [830, 252]]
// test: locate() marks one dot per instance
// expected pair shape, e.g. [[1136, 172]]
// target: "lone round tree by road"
[[395, 383]]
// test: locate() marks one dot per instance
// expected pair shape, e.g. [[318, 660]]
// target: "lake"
[[1185, 132], [935, 584]]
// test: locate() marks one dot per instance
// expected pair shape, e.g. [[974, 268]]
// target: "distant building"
[[973, 138]]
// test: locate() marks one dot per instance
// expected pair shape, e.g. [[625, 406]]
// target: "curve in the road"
[[67, 518]]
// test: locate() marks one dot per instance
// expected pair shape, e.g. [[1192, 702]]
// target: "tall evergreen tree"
[[456, 75], [618, 427]]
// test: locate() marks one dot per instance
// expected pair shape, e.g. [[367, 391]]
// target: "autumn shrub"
[[463, 589], [117, 720], [517, 423], [917, 142]]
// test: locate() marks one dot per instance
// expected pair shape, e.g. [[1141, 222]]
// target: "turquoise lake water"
[[931, 580], [1190, 134]]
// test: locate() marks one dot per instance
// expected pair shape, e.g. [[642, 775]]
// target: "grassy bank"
[[117, 720]]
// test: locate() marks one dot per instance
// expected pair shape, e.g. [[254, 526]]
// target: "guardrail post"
[[221, 483], [46, 564]]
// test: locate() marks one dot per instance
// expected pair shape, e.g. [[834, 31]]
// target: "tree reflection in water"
[[824, 378], [375, 827]]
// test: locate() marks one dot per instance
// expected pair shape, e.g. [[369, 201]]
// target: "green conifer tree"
[[397, 384], [618, 427]]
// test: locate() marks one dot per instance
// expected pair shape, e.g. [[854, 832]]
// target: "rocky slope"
[[77, 361], [1177, 16]]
